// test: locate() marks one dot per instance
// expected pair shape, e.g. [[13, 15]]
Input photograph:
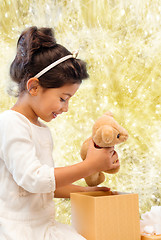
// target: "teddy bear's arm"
[[84, 148]]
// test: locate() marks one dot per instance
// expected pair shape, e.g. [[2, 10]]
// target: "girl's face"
[[48, 103]]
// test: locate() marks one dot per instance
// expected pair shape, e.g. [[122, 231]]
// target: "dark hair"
[[36, 49]]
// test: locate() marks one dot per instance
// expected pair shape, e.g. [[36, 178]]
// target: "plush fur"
[[106, 132]]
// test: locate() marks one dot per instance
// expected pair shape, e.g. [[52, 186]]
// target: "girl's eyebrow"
[[68, 94]]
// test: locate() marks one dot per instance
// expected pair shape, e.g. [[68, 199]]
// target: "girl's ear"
[[32, 86]]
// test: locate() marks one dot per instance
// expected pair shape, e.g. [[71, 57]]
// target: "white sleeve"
[[19, 154]]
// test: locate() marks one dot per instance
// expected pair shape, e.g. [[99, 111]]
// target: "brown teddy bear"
[[106, 132]]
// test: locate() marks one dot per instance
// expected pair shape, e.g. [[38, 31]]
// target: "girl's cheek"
[[57, 106]]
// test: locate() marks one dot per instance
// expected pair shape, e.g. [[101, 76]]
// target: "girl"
[[48, 75]]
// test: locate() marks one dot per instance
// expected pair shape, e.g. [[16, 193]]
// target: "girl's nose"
[[65, 107]]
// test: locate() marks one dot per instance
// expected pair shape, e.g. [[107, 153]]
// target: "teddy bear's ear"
[[107, 134], [103, 136], [108, 114]]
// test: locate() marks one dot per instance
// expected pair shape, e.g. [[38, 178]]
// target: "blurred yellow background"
[[121, 42]]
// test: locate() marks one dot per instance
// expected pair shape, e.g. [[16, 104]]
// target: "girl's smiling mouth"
[[54, 115]]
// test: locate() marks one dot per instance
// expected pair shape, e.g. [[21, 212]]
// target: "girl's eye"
[[62, 100]]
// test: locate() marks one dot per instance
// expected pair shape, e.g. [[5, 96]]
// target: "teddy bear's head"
[[107, 132]]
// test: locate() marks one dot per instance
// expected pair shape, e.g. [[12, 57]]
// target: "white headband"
[[74, 55]]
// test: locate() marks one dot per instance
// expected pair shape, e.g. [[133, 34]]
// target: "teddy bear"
[[106, 132]]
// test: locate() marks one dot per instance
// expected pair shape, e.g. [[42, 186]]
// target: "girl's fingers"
[[105, 189], [112, 149], [116, 163], [115, 160], [93, 189]]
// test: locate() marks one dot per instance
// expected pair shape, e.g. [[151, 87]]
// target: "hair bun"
[[32, 40]]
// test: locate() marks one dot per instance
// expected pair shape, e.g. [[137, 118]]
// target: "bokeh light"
[[121, 42]]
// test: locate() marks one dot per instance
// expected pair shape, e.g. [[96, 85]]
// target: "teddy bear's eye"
[[118, 135]]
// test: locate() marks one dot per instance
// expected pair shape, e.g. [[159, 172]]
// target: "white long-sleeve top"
[[27, 182], [26, 167]]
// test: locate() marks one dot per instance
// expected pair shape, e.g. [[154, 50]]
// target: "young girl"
[[48, 76]]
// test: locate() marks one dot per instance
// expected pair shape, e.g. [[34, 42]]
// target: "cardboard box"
[[106, 215], [152, 237]]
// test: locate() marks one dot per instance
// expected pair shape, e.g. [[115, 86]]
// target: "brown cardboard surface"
[[152, 237], [106, 215]]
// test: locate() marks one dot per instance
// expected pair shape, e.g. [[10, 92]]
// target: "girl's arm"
[[64, 192], [97, 160]]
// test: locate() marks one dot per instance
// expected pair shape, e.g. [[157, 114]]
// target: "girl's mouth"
[[54, 115]]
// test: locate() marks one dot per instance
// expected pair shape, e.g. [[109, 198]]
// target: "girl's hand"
[[102, 159], [93, 189], [97, 160]]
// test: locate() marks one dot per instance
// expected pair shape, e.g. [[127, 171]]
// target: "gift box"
[[106, 215], [152, 237]]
